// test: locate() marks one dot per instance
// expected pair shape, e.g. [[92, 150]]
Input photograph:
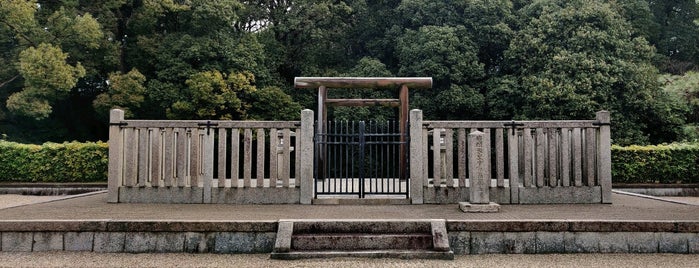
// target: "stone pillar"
[[479, 190], [479, 187], [416, 158], [306, 145], [604, 152], [116, 153]]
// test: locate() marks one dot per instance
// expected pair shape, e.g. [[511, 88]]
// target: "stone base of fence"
[[503, 195], [195, 195]]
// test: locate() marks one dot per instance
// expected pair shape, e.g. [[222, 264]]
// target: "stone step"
[[359, 241], [398, 254], [368, 227], [378, 239]]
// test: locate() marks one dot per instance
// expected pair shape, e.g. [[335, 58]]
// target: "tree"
[[47, 77], [447, 55], [678, 36], [572, 58], [209, 96], [47, 73], [685, 88], [126, 92], [58, 47]]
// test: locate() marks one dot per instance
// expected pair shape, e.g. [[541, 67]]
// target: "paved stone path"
[[85, 259], [14, 200], [95, 207]]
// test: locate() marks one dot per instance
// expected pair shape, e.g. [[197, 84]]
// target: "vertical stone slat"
[[247, 157], [274, 156], [449, 157], [297, 158], [425, 153], [499, 158], [590, 165], [437, 156], [261, 157], [513, 161], [208, 165], [222, 164], [168, 141], [181, 156], [553, 157], [462, 154], [143, 156], [116, 155], [235, 157], [565, 157], [540, 157], [156, 157], [195, 157], [577, 156], [286, 157], [487, 160], [130, 156], [527, 142]]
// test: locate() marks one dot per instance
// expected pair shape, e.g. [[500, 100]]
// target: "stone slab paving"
[[95, 207], [15, 200]]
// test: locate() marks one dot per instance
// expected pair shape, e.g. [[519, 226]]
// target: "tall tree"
[[572, 58], [678, 36]]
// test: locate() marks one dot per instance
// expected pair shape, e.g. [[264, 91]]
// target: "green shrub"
[[53, 162], [87, 162], [668, 163]]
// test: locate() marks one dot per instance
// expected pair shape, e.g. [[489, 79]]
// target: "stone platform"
[[89, 223]]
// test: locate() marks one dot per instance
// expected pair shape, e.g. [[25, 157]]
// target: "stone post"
[[416, 158], [306, 145], [479, 187], [604, 152], [116, 153]]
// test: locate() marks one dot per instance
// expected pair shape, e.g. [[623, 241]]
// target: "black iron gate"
[[361, 159]]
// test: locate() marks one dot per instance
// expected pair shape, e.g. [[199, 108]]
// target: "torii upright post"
[[402, 83]]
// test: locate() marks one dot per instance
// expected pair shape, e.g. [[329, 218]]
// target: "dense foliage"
[[65, 63], [53, 162], [87, 162], [672, 163]]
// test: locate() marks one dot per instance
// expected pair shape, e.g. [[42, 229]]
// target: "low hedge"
[[53, 162], [87, 162], [668, 163]]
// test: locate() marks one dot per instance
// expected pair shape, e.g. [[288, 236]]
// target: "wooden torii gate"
[[401, 83]]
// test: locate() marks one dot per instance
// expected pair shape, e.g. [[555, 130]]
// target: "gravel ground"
[[83, 259]]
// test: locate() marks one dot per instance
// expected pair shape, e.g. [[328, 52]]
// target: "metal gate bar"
[[359, 159]]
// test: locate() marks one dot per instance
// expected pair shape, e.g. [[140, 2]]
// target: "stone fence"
[[209, 161], [272, 162], [528, 161]]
